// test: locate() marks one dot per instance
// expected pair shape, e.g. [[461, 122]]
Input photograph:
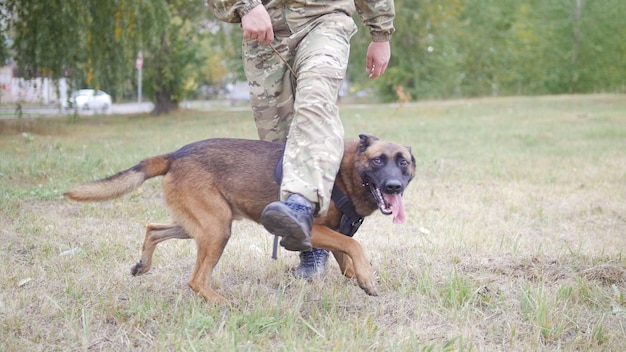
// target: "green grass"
[[514, 241]]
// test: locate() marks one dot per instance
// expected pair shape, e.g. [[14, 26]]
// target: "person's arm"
[[378, 17], [232, 10], [257, 25], [255, 21], [377, 60]]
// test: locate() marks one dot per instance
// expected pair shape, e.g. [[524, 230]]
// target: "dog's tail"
[[121, 183]]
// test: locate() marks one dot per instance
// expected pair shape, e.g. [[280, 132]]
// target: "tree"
[[455, 48], [95, 43], [441, 48], [172, 71]]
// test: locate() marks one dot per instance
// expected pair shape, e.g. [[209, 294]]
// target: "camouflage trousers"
[[300, 108]]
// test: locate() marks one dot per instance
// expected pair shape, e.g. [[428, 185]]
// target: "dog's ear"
[[411, 153], [366, 141]]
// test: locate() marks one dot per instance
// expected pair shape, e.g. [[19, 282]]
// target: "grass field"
[[515, 239]]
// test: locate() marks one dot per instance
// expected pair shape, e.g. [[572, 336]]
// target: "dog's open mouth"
[[389, 203]]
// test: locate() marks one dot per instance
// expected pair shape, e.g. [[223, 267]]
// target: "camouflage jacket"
[[376, 15]]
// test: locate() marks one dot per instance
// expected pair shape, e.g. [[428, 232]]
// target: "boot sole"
[[279, 223]]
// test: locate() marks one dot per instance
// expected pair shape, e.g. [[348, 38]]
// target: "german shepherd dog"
[[210, 183]]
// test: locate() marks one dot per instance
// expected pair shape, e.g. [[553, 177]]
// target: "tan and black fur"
[[210, 183]]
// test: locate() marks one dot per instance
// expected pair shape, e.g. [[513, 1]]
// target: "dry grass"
[[515, 239]]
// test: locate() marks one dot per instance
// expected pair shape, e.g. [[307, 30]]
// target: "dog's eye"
[[376, 161], [404, 163]]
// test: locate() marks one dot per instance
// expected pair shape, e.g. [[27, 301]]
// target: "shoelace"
[[307, 258], [313, 258], [298, 207]]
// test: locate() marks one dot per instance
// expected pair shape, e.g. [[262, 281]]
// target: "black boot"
[[292, 220], [312, 263]]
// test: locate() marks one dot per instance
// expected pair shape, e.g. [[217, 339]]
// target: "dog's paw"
[[368, 286], [372, 291], [139, 269]]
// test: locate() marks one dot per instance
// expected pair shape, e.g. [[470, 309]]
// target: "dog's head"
[[386, 168]]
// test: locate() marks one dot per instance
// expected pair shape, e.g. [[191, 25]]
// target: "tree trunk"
[[163, 103], [578, 9]]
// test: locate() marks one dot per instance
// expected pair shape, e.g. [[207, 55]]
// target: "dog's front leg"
[[345, 264], [323, 237]]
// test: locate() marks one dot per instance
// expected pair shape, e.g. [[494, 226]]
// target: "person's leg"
[[315, 141], [271, 88], [272, 99]]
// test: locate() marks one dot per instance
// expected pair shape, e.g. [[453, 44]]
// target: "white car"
[[89, 99]]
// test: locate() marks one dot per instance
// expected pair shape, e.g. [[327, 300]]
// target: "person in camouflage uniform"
[[295, 56]]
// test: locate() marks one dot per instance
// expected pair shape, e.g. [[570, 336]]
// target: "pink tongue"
[[397, 208]]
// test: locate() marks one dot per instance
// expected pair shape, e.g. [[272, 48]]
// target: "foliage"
[[171, 72], [454, 48], [95, 43]]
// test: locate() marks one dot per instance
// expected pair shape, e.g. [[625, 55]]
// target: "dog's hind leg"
[[323, 237], [156, 233], [199, 207], [210, 243]]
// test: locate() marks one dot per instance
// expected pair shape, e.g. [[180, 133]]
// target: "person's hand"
[[257, 25], [378, 56]]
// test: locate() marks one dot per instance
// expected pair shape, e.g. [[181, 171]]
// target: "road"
[[9, 112]]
